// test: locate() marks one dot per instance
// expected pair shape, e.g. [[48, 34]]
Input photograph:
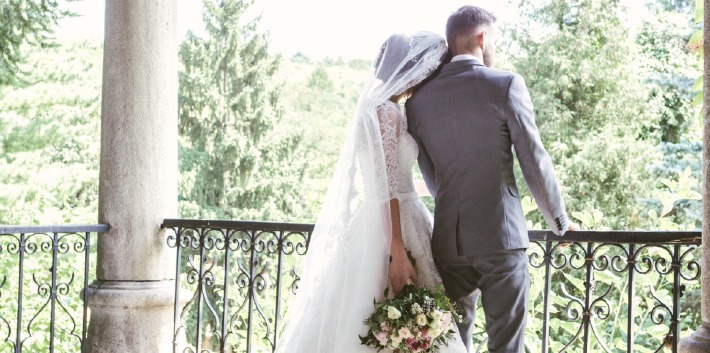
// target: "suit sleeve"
[[427, 168], [425, 164], [535, 162]]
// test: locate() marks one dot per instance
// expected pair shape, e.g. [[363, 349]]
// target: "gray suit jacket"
[[466, 121]]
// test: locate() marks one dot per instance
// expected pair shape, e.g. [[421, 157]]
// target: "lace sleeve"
[[390, 126]]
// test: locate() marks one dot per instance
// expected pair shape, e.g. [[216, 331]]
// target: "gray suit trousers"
[[503, 280]]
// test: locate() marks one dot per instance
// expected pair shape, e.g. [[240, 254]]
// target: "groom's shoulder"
[[502, 80], [498, 76]]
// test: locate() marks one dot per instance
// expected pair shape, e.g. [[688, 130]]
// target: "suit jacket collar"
[[457, 66]]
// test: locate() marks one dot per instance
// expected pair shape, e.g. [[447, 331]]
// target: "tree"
[[671, 70], [679, 6], [22, 23], [668, 74], [320, 80], [237, 159], [49, 138], [579, 63], [322, 99]]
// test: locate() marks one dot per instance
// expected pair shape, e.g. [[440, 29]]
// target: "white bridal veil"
[[347, 261]]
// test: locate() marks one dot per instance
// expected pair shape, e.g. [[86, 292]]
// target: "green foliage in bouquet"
[[416, 320]]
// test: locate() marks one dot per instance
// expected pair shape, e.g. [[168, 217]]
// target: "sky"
[[347, 29], [352, 29]]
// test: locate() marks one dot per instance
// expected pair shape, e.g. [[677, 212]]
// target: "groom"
[[467, 120]]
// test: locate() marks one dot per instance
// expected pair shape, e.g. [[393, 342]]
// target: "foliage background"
[[615, 106]]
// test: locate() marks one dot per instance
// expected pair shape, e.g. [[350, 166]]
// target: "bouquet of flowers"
[[417, 320]]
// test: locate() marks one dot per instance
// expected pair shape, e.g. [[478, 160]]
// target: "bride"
[[371, 215]]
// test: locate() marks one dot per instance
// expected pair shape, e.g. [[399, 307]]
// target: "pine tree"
[[236, 158], [22, 23], [49, 137]]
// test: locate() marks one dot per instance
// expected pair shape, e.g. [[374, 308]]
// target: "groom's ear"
[[482, 38]]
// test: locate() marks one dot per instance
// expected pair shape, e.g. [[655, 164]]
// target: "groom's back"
[[459, 121]]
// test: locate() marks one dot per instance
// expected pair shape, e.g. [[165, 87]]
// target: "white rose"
[[393, 313], [421, 320], [405, 333], [435, 324], [436, 315], [395, 341], [433, 333]]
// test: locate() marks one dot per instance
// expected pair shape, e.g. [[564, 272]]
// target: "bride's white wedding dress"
[[347, 262], [331, 319]]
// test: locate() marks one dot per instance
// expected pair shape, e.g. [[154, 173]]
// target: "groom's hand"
[[401, 272], [571, 227]]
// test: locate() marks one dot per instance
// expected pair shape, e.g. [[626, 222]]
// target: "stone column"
[[699, 341], [131, 300]]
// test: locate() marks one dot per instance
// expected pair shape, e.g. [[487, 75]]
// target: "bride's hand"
[[401, 272]]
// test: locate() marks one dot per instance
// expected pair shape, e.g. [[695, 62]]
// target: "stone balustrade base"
[[698, 342], [131, 316]]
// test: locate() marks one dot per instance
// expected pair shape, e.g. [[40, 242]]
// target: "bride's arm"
[[401, 271]]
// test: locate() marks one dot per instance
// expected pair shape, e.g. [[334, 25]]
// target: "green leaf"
[[698, 99], [576, 282], [667, 206], [528, 204], [697, 37], [698, 85], [585, 218]]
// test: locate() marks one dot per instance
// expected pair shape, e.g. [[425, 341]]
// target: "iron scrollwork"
[[597, 286], [45, 286], [239, 275]]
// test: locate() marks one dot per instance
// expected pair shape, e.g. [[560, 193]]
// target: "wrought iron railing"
[[46, 270], [613, 291], [644, 273], [234, 274]]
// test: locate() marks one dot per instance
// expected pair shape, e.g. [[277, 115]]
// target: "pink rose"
[[446, 320], [381, 337], [405, 333]]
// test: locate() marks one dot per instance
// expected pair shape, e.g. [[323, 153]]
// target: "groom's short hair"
[[465, 20]]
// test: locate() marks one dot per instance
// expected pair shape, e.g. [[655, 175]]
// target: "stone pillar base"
[[698, 342], [130, 316]]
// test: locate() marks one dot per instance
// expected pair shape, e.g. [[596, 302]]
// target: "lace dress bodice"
[[399, 147]]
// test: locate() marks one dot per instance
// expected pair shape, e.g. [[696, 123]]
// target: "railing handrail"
[[597, 236], [239, 225], [67, 228], [619, 236]]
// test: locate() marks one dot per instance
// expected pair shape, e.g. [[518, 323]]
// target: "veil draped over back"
[[347, 260]]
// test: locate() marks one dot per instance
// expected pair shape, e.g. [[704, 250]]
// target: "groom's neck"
[[477, 52]]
